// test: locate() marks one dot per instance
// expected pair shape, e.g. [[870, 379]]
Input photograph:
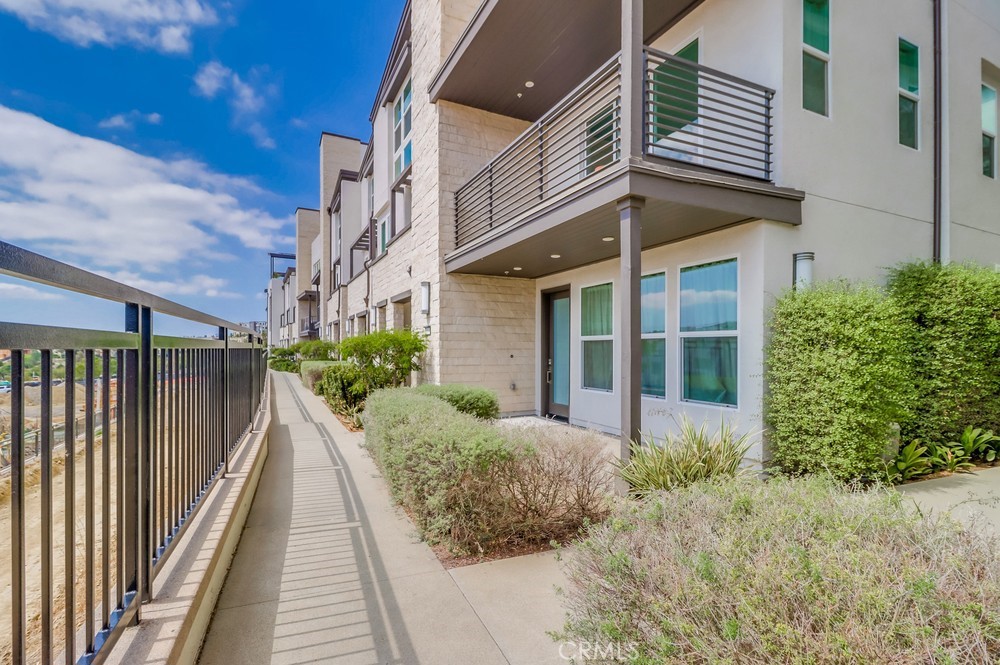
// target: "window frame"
[[597, 338], [382, 241], [825, 56], [682, 335], [660, 335], [906, 94], [405, 140], [983, 132]]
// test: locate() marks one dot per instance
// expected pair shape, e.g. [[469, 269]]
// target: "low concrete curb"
[[185, 593]]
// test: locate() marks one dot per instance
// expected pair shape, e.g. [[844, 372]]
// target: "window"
[[989, 96], [709, 333], [336, 276], [371, 196], [909, 94], [600, 140], [653, 309], [383, 235], [402, 124], [675, 94], [816, 56], [596, 330]]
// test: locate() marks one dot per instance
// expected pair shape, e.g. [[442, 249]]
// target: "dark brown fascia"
[[339, 136], [367, 159], [399, 46], [350, 176]]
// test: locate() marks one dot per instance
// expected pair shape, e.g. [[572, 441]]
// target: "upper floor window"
[[989, 101], [383, 235], [371, 195], [909, 94], [402, 124], [816, 56], [709, 333]]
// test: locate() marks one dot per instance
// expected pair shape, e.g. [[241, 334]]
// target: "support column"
[[632, 78], [630, 339]]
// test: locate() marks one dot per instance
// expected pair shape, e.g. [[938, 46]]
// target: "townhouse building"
[[590, 205]]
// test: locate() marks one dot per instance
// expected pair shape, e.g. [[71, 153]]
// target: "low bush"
[[316, 349], [311, 372], [386, 357], [684, 458], [343, 387], [475, 487], [787, 571], [480, 402], [839, 380], [954, 346], [283, 360]]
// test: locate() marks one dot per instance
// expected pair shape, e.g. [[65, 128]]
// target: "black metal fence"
[[124, 487]]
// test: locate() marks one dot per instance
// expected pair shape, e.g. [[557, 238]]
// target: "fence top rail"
[[23, 264], [29, 336]]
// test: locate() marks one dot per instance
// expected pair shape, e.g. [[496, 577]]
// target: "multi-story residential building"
[[307, 263], [589, 206]]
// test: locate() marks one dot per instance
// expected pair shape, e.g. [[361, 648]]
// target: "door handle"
[[548, 377]]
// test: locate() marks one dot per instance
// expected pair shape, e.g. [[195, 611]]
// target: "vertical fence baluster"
[[46, 459], [69, 483], [17, 613], [121, 418], [131, 465], [161, 519], [88, 391], [224, 336], [105, 488]]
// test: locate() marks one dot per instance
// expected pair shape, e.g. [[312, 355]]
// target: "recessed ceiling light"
[[517, 267], [608, 238], [529, 84], [556, 256]]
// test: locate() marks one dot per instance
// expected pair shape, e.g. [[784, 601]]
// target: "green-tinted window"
[[675, 93], [909, 67], [816, 24], [709, 297], [814, 71], [907, 121], [600, 147], [597, 322], [654, 362], [653, 298], [989, 102], [710, 369], [989, 156]]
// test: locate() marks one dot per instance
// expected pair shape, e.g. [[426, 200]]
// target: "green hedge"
[[311, 373], [838, 378], [955, 347], [480, 402], [283, 360], [343, 387], [433, 458]]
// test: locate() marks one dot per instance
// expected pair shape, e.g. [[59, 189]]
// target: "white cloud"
[[129, 120], [22, 292], [160, 25], [194, 285], [108, 207], [246, 98]]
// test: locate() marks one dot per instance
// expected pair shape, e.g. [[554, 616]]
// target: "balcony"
[[692, 145]]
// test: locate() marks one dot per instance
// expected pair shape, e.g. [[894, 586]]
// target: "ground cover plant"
[[792, 570]]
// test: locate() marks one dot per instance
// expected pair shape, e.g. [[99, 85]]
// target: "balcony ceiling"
[[555, 44]]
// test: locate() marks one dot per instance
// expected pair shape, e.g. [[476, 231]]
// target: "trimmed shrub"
[[838, 376], [954, 346], [283, 360], [784, 571], [475, 487], [311, 372], [316, 349], [386, 357], [480, 402], [343, 386]]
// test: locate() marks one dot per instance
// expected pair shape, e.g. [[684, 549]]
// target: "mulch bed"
[[449, 560]]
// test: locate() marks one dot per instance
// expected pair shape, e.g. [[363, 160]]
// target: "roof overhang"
[[555, 44], [679, 204]]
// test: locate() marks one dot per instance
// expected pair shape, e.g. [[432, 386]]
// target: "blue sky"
[[166, 143]]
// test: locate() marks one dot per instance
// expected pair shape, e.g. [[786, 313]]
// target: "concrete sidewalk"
[[329, 570], [965, 495]]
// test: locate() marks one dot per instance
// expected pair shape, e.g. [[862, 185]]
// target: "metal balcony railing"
[[706, 118], [578, 138], [143, 441]]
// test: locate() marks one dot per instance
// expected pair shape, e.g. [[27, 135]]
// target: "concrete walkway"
[[968, 496], [329, 570]]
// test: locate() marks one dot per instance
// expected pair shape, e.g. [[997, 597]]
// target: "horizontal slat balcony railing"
[[706, 118], [577, 139], [124, 458]]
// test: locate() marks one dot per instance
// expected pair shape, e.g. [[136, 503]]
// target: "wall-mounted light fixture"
[[425, 297], [802, 269]]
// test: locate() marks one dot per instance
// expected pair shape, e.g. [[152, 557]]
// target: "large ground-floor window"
[[653, 292], [709, 332], [596, 331]]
